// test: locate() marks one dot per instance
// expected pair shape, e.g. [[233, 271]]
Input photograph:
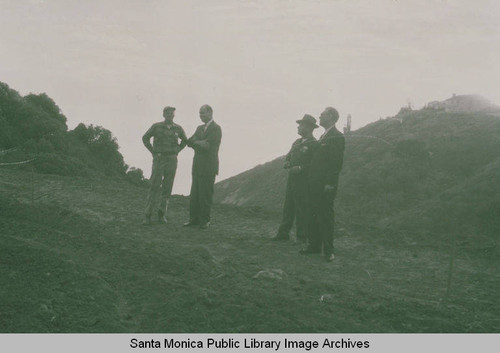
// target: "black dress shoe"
[[205, 225], [308, 251], [190, 224]]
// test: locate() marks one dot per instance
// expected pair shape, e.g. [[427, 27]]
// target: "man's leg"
[[313, 230], [288, 214], [154, 190], [301, 210], [206, 192], [326, 224], [194, 202], [169, 169], [314, 236]]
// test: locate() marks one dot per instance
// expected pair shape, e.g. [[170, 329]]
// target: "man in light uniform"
[[166, 146]]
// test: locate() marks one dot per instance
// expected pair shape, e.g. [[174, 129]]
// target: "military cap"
[[168, 109], [308, 119]]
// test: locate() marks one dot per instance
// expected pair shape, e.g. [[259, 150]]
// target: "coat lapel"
[[204, 132], [199, 133], [330, 133]]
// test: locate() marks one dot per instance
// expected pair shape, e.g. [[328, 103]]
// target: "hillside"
[[74, 258], [417, 236], [419, 173]]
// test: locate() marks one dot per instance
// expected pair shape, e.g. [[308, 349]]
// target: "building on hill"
[[435, 105], [466, 103]]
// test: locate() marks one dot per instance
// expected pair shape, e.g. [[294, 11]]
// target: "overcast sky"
[[260, 64]]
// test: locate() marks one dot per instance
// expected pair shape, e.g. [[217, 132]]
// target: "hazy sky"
[[260, 64]]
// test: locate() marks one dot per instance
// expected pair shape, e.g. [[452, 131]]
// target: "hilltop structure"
[[466, 103]]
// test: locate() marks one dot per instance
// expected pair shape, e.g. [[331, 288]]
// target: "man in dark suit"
[[323, 179], [296, 197], [205, 142]]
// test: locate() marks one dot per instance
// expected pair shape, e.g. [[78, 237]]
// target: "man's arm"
[[306, 158], [286, 164], [335, 161], [288, 156], [146, 139], [214, 137], [184, 139], [211, 141], [191, 140]]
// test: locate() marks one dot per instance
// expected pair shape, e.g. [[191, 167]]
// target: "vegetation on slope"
[[422, 172], [34, 127]]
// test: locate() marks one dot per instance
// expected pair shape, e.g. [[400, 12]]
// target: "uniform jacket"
[[166, 140], [206, 160], [326, 162]]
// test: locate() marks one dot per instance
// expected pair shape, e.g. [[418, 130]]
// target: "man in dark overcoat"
[[295, 207], [205, 142], [323, 180]]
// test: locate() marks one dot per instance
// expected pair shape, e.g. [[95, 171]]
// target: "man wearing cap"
[[296, 197], [323, 179], [205, 142], [166, 146]]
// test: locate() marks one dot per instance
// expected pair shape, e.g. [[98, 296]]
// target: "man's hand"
[[330, 189], [295, 170]]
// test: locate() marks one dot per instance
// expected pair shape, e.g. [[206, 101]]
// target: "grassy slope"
[[377, 180], [428, 177], [76, 260]]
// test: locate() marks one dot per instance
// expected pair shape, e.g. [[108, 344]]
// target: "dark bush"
[[35, 125]]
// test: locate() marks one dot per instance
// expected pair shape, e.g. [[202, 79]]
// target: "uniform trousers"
[[162, 180]]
